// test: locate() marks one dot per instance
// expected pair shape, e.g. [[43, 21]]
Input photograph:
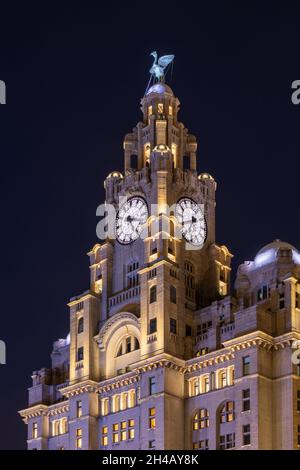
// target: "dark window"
[[281, 300], [227, 441], [152, 385], [80, 354], [152, 326], [80, 325], [246, 399], [128, 345], [173, 326], [188, 330], [152, 444], [298, 434], [152, 294], [173, 294], [133, 162], [263, 293], [298, 400], [79, 306], [136, 344], [298, 300], [186, 162], [246, 435], [246, 365]]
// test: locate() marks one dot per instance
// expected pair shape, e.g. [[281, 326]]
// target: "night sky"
[[74, 78]]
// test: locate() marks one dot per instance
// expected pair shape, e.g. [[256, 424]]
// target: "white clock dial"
[[131, 217], [191, 218]]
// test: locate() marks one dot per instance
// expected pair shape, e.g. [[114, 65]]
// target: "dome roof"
[[160, 88], [205, 176], [268, 253]]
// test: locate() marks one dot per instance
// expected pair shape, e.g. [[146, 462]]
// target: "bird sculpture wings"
[[165, 60]]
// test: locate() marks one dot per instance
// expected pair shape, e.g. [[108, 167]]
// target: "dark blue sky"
[[74, 79]]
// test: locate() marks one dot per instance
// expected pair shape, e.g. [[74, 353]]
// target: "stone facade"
[[160, 355]]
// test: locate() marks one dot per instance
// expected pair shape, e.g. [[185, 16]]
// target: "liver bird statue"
[[158, 67]]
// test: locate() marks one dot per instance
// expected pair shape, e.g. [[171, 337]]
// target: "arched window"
[[80, 325], [201, 419], [227, 412], [131, 399], [127, 345]]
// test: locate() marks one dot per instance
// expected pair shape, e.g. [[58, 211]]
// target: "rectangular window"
[[79, 438], [170, 111], [188, 330], [152, 385], [34, 430], [104, 438], [80, 325], [246, 365], [152, 419], [80, 354], [160, 108], [173, 326], [297, 303], [203, 445], [153, 294], [79, 408], [246, 435], [115, 433], [227, 441], [131, 429], [281, 300], [206, 384], [79, 306], [152, 326], [223, 379], [246, 399], [152, 444], [173, 296]]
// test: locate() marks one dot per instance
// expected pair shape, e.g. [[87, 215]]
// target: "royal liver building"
[[160, 355]]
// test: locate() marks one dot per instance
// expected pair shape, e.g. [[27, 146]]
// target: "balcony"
[[123, 298]]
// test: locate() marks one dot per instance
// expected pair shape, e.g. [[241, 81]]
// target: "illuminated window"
[[123, 431], [223, 379], [174, 153], [152, 419], [63, 426], [206, 384], [160, 108], [104, 406], [79, 438], [80, 325], [34, 430], [152, 294], [131, 399], [124, 401], [227, 441], [227, 412], [170, 111], [201, 419], [152, 326], [104, 438], [115, 433], [79, 408], [246, 399], [246, 435], [201, 445], [150, 110], [131, 429], [246, 365], [195, 387]]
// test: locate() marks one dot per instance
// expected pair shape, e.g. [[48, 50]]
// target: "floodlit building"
[[160, 355]]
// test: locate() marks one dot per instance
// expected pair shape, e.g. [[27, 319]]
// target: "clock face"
[[131, 217], [190, 216]]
